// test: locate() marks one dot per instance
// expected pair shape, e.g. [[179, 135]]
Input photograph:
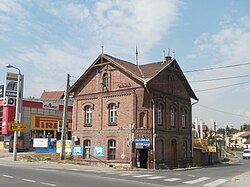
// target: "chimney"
[[163, 56], [168, 57]]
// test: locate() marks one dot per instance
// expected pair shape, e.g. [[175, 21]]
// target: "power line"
[[218, 67], [229, 113], [222, 78], [215, 88]]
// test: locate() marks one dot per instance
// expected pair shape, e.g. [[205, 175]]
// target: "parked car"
[[246, 154]]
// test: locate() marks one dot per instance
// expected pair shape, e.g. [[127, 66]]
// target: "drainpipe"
[[153, 121], [192, 145]]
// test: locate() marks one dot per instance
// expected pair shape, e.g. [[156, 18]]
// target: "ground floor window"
[[87, 146], [111, 149]]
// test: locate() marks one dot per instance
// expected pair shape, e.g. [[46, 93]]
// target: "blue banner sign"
[[99, 151], [142, 143], [77, 150]]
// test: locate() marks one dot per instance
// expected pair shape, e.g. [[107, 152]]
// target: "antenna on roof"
[[173, 54], [136, 55], [163, 56], [102, 48], [168, 51]]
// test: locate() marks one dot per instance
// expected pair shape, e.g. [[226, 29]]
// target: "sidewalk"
[[6, 153], [240, 180]]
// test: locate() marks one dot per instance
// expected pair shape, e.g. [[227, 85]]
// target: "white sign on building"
[[50, 105], [40, 142]]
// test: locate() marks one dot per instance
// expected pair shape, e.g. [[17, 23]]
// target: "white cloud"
[[229, 46], [46, 66], [130, 22], [247, 114]]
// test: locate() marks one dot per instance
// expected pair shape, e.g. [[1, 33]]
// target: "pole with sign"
[[18, 107]]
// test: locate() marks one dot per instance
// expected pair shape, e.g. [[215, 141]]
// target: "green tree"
[[221, 131]]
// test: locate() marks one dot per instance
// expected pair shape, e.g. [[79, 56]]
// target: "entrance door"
[[143, 157], [174, 153]]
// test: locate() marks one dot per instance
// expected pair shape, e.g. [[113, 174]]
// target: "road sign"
[[17, 127]]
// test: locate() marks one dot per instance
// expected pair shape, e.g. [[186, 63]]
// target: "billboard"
[[11, 84], [47, 122]]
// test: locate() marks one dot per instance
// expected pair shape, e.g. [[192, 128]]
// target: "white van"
[[246, 154]]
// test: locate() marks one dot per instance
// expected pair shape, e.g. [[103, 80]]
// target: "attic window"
[[105, 80]]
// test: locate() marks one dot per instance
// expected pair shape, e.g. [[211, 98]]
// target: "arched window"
[[142, 119], [111, 149], [159, 113], [86, 149], [105, 80], [173, 116], [183, 118], [87, 115], [112, 113]]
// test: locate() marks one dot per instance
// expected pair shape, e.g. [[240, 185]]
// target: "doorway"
[[143, 158], [174, 153]]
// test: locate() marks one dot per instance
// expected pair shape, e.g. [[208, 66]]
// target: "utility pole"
[[65, 117], [131, 139]]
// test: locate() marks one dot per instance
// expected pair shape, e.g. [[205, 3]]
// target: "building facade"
[[134, 115], [42, 117]]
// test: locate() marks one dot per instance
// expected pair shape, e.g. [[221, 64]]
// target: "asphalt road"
[[25, 174]]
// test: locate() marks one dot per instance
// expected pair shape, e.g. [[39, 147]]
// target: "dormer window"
[[105, 80]]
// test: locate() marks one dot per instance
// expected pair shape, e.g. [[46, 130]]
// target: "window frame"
[[111, 149], [173, 116], [160, 114], [184, 118], [86, 149], [88, 115], [112, 113], [105, 80]]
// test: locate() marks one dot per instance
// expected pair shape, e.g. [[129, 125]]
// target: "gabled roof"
[[245, 134], [52, 95], [143, 73]]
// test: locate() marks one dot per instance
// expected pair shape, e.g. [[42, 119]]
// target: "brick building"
[[135, 115]]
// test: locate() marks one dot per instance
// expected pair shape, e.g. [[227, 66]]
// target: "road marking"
[[126, 174], [90, 170], [48, 184], [191, 175], [172, 179], [197, 180], [215, 183], [28, 180], [156, 177], [74, 169], [7, 176], [140, 176]]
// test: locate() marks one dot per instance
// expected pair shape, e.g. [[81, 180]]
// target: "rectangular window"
[[111, 149], [87, 146]]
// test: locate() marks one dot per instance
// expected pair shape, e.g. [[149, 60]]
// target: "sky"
[[49, 39]]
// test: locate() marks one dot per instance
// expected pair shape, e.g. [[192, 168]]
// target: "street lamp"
[[18, 100]]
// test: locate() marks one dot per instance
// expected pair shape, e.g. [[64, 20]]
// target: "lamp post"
[[18, 100]]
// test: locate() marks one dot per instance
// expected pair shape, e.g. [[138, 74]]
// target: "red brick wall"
[[132, 99]]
